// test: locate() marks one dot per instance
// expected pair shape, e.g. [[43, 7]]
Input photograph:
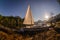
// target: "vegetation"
[[58, 1], [50, 34], [12, 22]]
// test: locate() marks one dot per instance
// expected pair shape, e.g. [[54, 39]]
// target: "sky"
[[38, 7]]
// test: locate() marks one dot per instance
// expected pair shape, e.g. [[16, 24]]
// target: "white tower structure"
[[28, 20]]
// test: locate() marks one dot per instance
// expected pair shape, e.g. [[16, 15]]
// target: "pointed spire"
[[28, 17]]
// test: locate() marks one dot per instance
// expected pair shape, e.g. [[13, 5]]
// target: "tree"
[[58, 1], [1, 17]]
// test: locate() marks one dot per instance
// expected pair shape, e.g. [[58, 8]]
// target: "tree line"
[[11, 21]]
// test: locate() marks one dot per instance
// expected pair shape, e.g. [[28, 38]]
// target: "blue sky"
[[38, 7]]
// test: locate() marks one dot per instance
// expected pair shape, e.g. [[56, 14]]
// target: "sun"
[[46, 17]]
